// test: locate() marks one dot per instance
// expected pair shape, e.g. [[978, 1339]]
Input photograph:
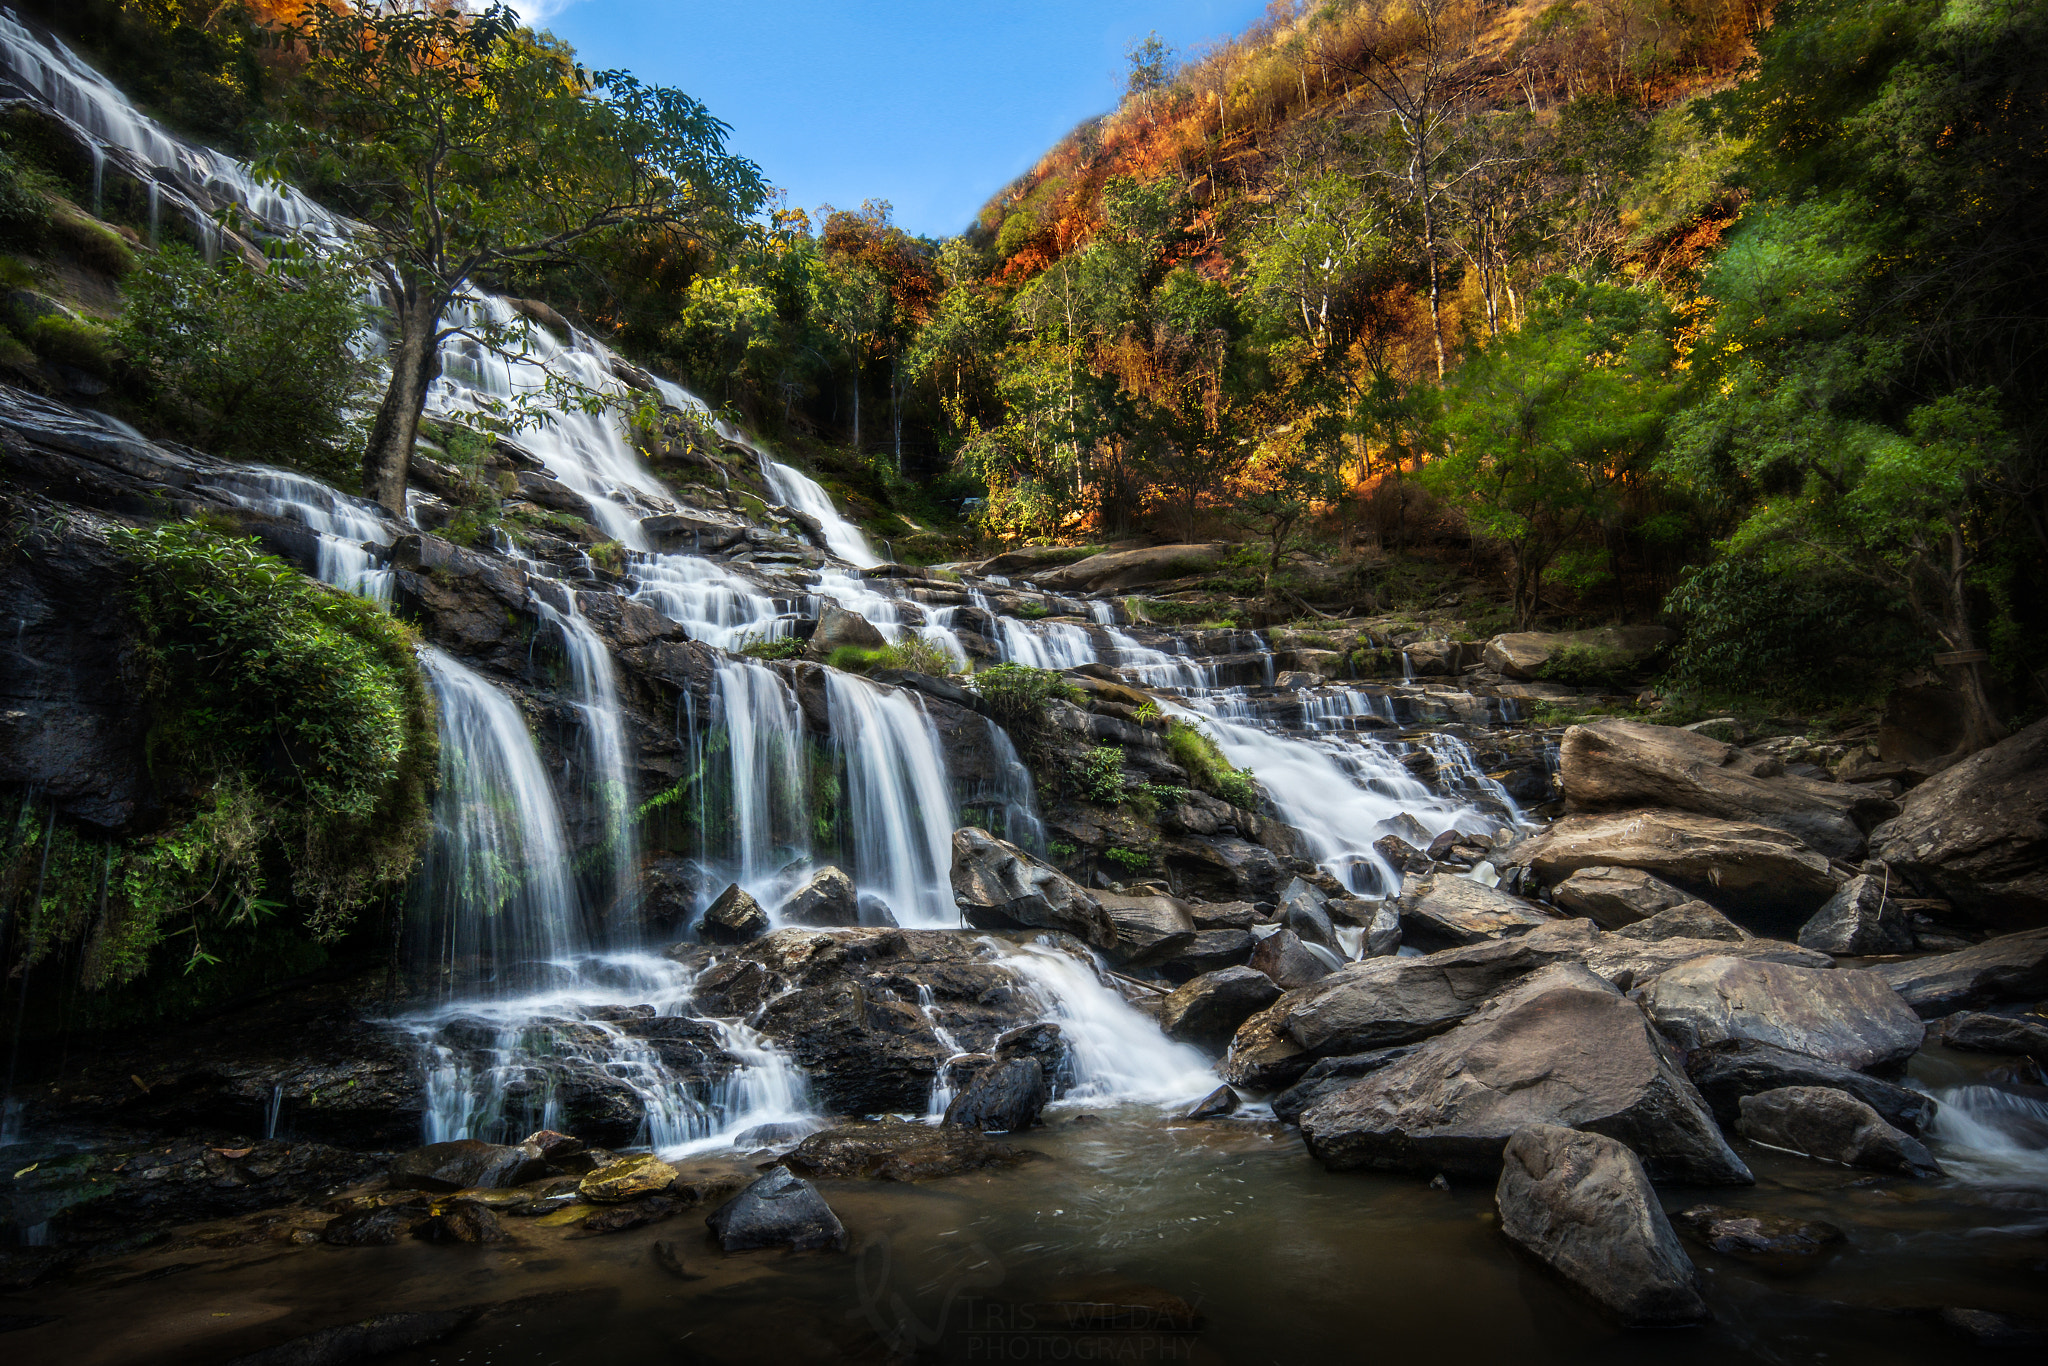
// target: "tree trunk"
[[415, 364], [1981, 727]]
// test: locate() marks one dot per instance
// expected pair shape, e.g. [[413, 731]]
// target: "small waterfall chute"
[[897, 821]]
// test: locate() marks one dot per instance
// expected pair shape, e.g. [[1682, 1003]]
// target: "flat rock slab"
[[1849, 1018], [1582, 1204], [464, 1162], [1833, 1126], [898, 1151], [2012, 967], [1762, 1235], [1460, 911], [1563, 1048], [1738, 865], [1726, 1072]]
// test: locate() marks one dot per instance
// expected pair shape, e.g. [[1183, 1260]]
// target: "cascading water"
[[897, 824], [800, 491], [347, 527], [765, 774], [1119, 1055], [607, 781]]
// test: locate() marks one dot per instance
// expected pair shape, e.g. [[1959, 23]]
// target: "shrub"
[[253, 364], [912, 654], [1098, 775], [1019, 694], [24, 211], [1196, 751], [1130, 860], [75, 342], [780, 647]]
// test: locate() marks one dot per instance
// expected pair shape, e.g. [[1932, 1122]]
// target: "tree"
[[464, 145], [1151, 62], [1544, 423]]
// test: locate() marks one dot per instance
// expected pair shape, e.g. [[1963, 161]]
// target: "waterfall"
[[897, 822], [765, 772], [798, 490], [1051, 645], [604, 745], [497, 901], [1993, 1137], [1119, 1053]]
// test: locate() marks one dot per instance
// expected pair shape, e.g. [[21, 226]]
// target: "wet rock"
[[668, 1255], [1148, 928], [1283, 957], [1977, 833], [1687, 920], [1738, 864], [1006, 1097], [1223, 915], [1522, 654], [648, 1209], [1614, 897], [1218, 1103], [1405, 857], [627, 1179], [467, 1162], [780, 1210], [1582, 1204], [898, 1151], [555, 1147], [2012, 967], [1859, 919], [1208, 1010], [999, 886], [837, 628], [1333, 1074], [367, 1340], [461, 1221], [1770, 1237], [828, 899], [1383, 932], [371, 1228], [1726, 1072], [1119, 571], [1564, 1048], [1616, 765], [1457, 911], [1977, 1032], [734, 918], [1849, 1018], [772, 1135], [1631, 963], [1833, 1126], [1216, 949]]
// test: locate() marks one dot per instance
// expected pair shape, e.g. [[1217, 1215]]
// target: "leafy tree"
[[1544, 423], [1150, 61], [257, 364], [463, 145]]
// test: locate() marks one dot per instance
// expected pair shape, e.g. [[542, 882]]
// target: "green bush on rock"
[[1195, 750]]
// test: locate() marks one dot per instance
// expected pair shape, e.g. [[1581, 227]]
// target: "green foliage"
[[24, 212], [76, 342], [252, 364], [1586, 666], [1130, 860], [1195, 750], [1018, 695], [913, 654], [297, 713], [782, 647], [1098, 775], [1061, 851]]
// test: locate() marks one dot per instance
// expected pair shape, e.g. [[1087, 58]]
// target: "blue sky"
[[933, 105]]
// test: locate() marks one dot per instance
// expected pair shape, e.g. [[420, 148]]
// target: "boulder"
[[1614, 897], [1223, 915], [461, 1221], [1522, 654], [1976, 1032], [2012, 967], [1848, 1018], [1977, 833], [1784, 1239], [1833, 1126], [1215, 949], [1311, 924], [1148, 928], [1119, 571], [372, 1227], [1563, 1047], [1726, 1072], [627, 1179], [1860, 919], [1383, 932], [780, 1210], [1619, 765], [838, 627], [1208, 1010], [1581, 1203], [1687, 920], [1333, 1074], [1734, 863], [1283, 957], [999, 886], [1457, 910], [1007, 1096], [898, 1151], [827, 900], [465, 1162], [734, 918], [1218, 1103]]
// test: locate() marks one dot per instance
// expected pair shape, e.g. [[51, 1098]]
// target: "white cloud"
[[534, 13]]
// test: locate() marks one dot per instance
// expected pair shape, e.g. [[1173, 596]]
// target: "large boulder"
[[1333, 1074], [2012, 967], [1848, 1018], [780, 1210], [1119, 571], [999, 886], [1833, 1126], [1687, 920], [1148, 928], [1976, 1032], [1614, 897], [1862, 918], [1457, 910], [1208, 1010], [1977, 833], [1005, 1098], [1564, 1048], [897, 1151], [1290, 963], [734, 918], [629, 1178], [463, 1163], [1523, 654], [827, 900], [1735, 864], [1726, 1072], [1582, 1204], [837, 628], [1617, 765]]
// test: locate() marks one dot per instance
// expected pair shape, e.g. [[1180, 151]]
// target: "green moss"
[[912, 655], [95, 245], [1585, 666], [1196, 751], [781, 647], [75, 342]]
